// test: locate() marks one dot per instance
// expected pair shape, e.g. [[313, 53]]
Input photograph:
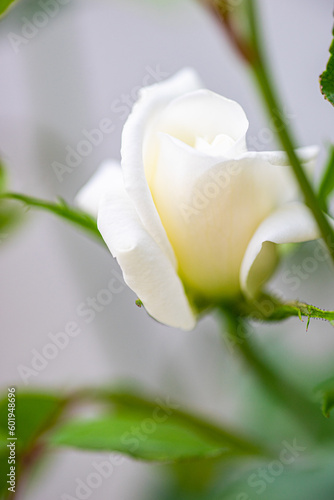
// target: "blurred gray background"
[[84, 65]]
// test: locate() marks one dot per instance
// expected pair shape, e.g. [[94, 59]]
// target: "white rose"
[[192, 216]]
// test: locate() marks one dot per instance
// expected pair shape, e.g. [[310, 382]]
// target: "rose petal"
[[211, 209], [152, 100], [307, 155], [146, 268], [88, 198], [284, 183], [291, 223], [202, 114]]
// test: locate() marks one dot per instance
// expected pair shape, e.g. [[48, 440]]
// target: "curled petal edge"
[[146, 268]]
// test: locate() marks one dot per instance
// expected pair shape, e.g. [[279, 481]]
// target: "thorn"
[[308, 322]]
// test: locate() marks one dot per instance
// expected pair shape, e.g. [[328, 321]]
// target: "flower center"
[[218, 147]]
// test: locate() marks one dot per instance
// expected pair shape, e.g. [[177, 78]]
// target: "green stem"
[[305, 412], [268, 308], [271, 100], [61, 209]]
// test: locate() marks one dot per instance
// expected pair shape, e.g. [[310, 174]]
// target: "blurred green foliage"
[[10, 213], [4, 5], [326, 392], [326, 187], [327, 77], [34, 413]]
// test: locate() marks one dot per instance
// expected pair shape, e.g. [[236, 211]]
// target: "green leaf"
[[326, 391], [33, 411], [4, 5], [139, 436], [326, 187], [327, 77], [128, 400], [34, 414], [61, 209], [152, 429]]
